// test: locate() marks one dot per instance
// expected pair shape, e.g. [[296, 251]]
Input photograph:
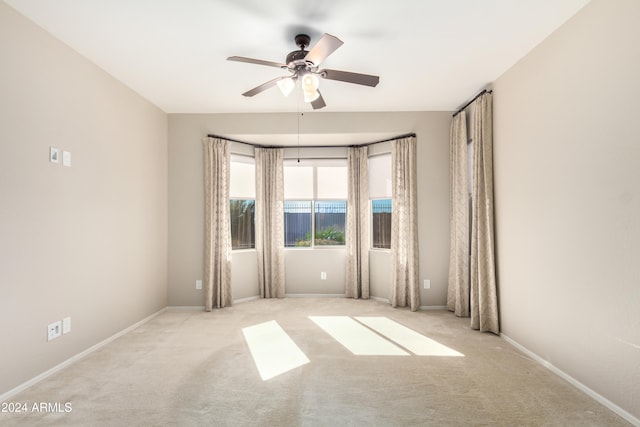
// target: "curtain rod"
[[242, 142], [406, 135], [471, 102]]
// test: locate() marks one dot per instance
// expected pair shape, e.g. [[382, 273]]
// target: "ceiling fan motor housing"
[[302, 40], [295, 59]]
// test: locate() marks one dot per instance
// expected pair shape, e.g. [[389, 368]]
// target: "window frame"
[[243, 159], [386, 194], [316, 163], [313, 222], [372, 240], [253, 248]]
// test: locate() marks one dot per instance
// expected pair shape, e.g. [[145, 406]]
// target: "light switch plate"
[[66, 325], [66, 158], [54, 155], [198, 284], [427, 283]]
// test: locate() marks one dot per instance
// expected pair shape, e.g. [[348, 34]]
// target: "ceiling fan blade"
[[325, 47], [346, 76], [264, 86], [256, 61], [318, 103]]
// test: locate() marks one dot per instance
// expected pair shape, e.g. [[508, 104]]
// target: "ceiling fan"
[[303, 65]]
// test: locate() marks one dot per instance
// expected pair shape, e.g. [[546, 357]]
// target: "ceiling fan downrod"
[[295, 60]]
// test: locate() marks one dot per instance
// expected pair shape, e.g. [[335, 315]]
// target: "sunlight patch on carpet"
[[356, 338], [273, 351], [408, 338]]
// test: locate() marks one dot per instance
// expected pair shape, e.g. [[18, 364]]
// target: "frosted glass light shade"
[[286, 86], [311, 95], [310, 85]]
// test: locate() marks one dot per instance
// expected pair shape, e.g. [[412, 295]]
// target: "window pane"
[[243, 228], [297, 223], [381, 219], [298, 182], [242, 178], [332, 182], [330, 221], [380, 176]]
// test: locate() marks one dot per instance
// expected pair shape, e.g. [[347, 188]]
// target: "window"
[[242, 194], [243, 229], [330, 218], [315, 207], [381, 203], [297, 223], [381, 223]]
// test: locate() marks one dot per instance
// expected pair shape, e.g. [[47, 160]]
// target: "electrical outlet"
[[66, 325], [54, 155], [427, 283], [198, 284], [54, 330]]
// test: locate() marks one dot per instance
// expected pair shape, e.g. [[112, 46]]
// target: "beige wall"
[[567, 170], [303, 268], [87, 241]]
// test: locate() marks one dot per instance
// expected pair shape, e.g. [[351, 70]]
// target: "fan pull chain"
[[300, 114]]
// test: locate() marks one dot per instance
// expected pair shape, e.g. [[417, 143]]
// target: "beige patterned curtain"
[[358, 224], [217, 226], [405, 289], [458, 290], [483, 298], [269, 220]]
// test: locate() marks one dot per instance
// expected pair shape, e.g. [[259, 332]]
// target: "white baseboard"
[[73, 359], [241, 300], [201, 307], [315, 295], [254, 298], [599, 398], [185, 308], [421, 308], [432, 307]]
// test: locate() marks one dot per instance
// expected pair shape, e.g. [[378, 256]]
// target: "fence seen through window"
[[381, 223], [243, 228], [326, 218]]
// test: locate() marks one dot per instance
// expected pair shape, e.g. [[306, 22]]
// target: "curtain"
[[357, 283], [458, 290], [269, 220], [217, 225], [483, 294], [405, 289]]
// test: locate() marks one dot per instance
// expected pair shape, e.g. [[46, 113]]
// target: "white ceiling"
[[431, 55]]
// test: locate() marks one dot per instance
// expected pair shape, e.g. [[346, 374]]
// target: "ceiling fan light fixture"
[[310, 95], [286, 86], [310, 83]]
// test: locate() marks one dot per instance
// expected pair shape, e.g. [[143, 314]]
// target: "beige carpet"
[[190, 368]]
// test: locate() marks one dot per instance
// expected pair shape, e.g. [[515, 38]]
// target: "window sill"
[[310, 248], [383, 250], [240, 251]]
